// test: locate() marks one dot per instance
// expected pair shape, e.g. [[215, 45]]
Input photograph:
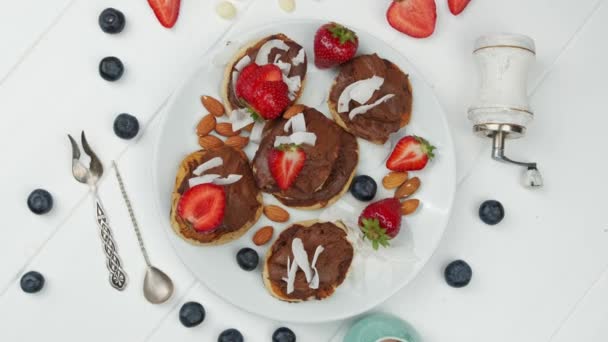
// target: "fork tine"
[[75, 149], [95, 166]]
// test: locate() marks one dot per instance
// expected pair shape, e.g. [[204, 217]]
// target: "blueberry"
[[248, 259], [111, 21], [491, 212], [363, 188], [458, 273], [283, 335], [191, 314], [126, 126], [40, 201], [230, 335], [111, 68], [32, 282]]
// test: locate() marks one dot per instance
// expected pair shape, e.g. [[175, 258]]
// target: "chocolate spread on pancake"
[[241, 197], [379, 122], [287, 57], [328, 166], [333, 263]]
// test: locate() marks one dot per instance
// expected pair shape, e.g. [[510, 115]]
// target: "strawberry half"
[[166, 11], [285, 163], [248, 77], [203, 206], [416, 18], [411, 153], [457, 6], [334, 45], [269, 73], [381, 221], [270, 99]]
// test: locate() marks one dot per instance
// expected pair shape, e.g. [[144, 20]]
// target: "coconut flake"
[[296, 123], [301, 258], [256, 131], [209, 164], [292, 269], [204, 179], [360, 91], [365, 108], [297, 138], [243, 62], [264, 51], [314, 283], [235, 77], [230, 179], [299, 58], [240, 118], [293, 84], [285, 67]]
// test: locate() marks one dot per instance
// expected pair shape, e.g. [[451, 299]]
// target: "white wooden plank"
[[57, 90], [221, 315], [589, 320], [22, 24], [446, 61], [531, 269], [77, 301]]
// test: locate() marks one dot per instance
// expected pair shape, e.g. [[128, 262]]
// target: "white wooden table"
[[539, 276]]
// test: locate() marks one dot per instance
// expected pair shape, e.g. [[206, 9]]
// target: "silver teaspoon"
[[158, 287]]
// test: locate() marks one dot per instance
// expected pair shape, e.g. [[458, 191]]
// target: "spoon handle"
[[131, 214], [118, 277]]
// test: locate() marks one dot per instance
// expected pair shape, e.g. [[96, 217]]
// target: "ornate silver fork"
[[90, 176]]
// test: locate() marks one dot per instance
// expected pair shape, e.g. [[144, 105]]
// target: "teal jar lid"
[[381, 327]]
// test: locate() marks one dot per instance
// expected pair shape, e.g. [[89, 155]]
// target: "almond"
[[210, 142], [214, 106], [276, 213], [293, 110], [237, 142], [394, 180], [408, 188], [263, 235], [248, 128], [409, 206], [206, 125], [225, 129]]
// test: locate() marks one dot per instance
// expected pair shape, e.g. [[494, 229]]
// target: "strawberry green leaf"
[[426, 146], [373, 232]]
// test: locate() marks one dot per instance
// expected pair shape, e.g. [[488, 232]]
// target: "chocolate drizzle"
[[333, 263], [287, 57], [241, 197], [327, 169], [379, 122]]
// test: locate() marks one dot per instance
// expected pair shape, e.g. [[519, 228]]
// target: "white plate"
[[216, 267]]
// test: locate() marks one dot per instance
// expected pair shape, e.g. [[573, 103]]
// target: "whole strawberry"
[[381, 221], [334, 45]]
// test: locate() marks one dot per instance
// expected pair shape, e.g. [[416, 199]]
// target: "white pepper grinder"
[[501, 110]]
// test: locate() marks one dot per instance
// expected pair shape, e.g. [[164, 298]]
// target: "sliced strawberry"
[[285, 163], [166, 11], [203, 206], [270, 72], [248, 78], [381, 221], [415, 18], [411, 153], [270, 99], [457, 6]]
